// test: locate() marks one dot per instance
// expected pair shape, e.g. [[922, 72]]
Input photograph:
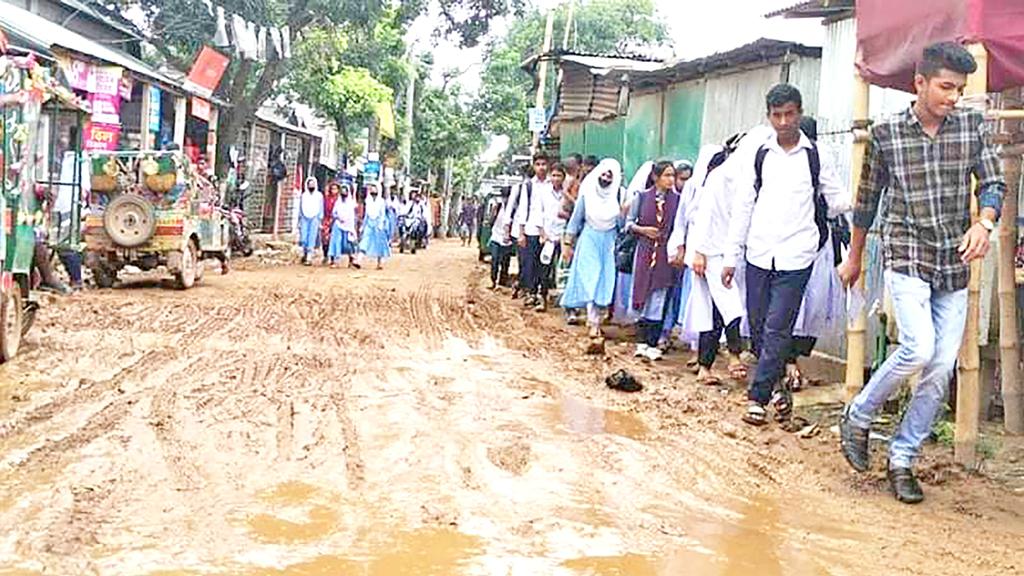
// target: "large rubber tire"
[[186, 277], [129, 221], [11, 324]]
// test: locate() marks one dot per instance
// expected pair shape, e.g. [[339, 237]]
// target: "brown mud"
[[301, 421]]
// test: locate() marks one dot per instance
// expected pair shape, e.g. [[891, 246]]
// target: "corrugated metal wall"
[[735, 102], [643, 132], [835, 116], [684, 111]]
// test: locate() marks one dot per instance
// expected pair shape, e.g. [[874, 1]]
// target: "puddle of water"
[[429, 552], [580, 417], [312, 519], [628, 565]]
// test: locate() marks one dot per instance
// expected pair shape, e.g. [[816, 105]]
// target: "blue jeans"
[[773, 303], [931, 325]]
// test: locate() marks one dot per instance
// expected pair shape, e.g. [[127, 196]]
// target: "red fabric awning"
[[891, 34]]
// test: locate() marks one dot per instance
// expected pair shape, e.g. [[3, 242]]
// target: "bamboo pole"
[[968, 395], [549, 30], [1009, 339], [857, 326]]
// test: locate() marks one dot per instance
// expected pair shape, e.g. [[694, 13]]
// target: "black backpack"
[[820, 205]]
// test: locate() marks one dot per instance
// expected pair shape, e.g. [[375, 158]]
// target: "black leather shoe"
[[905, 485], [854, 443]]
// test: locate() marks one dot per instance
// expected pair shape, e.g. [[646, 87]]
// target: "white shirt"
[[778, 228], [500, 230], [344, 214], [550, 206], [532, 221]]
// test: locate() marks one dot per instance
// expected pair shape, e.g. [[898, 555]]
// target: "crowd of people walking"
[[745, 247]]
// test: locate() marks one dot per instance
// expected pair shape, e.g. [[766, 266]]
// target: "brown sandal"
[[738, 372]]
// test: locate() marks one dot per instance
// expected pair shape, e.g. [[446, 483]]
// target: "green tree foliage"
[[600, 27], [177, 29], [445, 126]]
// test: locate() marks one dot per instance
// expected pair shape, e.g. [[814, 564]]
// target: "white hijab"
[[374, 208], [312, 203], [639, 182], [602, 204]]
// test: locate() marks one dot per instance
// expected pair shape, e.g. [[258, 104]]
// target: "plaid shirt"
[[928, 185]]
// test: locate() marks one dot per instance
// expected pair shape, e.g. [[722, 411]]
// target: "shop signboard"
[[102, 137], [201, 109], [155, 99], [106, 108]]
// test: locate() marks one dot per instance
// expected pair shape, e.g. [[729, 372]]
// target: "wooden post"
[[857, 325], [180, 109], [1009, 339], [148, 138], [968, 393], [549, 30]]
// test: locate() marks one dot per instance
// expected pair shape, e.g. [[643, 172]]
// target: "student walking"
[[776, 217], [921, 161]]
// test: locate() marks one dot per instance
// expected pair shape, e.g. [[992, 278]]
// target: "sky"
[[697, 28]]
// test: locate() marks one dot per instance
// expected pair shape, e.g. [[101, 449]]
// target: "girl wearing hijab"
[[376, 242], [589, 245], [343, 230], [309, 217], [651, 220], [330, 198], [626, 249]]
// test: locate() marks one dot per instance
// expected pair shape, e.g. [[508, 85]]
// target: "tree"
[[177, 29], [601, 27]]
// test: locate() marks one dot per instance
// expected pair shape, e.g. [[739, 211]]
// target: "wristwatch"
[[987, 224]]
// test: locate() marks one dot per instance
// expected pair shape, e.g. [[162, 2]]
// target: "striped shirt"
[[928, 186]]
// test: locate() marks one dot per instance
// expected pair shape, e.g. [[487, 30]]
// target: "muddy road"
[[296, 421]]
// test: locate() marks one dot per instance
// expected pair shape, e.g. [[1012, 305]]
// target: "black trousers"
[[529, 264], [801, 346], [707, 345], [545, 279], [773, 303], [501, 257]]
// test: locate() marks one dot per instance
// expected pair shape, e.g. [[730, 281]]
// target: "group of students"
[[747, 242], [341, 227]]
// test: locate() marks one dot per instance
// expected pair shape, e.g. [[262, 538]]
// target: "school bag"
[[820, 205]]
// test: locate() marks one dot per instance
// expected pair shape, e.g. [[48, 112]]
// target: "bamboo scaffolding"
[[857, 325], [1009, 339], [968, 396]]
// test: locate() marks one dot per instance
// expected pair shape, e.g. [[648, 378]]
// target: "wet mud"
[[294, 421]]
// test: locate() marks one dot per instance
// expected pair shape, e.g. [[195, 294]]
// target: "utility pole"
[[565, 38], [549, 30], [410, 101]]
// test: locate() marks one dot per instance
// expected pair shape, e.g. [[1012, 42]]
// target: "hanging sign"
[[201, 109], [537, 120], [106, 108], [206, 72], [107, 80], [155, 99], [102, 137]]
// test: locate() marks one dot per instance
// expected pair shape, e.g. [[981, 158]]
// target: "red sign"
[[106, 108], [201, 109], [207, 71], [102, 137]]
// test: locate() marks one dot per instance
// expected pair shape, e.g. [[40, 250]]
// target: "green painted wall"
[[571, 139], [684, 113], [604, 139], [643, 132]]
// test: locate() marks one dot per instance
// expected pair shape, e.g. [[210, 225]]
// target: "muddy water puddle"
[[578, 416]]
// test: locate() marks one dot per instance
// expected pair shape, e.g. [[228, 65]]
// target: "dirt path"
[[308, 421]]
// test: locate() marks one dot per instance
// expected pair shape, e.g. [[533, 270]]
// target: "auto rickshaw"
[[25, 87]]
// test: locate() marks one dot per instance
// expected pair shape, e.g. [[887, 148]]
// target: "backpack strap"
[[762, 153], [814, 162]]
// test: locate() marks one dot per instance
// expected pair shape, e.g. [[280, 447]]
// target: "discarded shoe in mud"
[[623, 381]]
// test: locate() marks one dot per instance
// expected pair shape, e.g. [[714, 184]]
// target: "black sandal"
[[782, 402]]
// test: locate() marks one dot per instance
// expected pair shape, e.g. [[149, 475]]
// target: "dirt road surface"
[[297, 421]]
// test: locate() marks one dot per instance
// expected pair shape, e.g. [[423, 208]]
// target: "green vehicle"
[[483, 233], [28, 94]]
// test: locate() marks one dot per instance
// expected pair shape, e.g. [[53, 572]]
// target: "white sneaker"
[[641, 351], [654, 354]]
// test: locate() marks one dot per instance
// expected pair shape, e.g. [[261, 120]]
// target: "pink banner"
[[102, 137], [79, 75], [106, 108]]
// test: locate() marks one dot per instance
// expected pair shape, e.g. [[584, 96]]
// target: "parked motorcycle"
[[241, 235]]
